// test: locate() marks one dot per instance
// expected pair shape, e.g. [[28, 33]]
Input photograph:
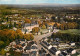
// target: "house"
[[48, 55], [55, 46], [25, 54], [7, 48], [45, 39], [64, 53], [27, 49], [46, 45], [31, 48], [34, 53], [34, 47], [17, 50], [7, 54], [28, 27], [12, 43], [20, 41], [4, 22], [55, 43], [57, 39], [60, 55], [54, 51], [50, 25], [21, 45], [42, 52], [14, 28], [72, 44], [71, 50], [63, 45], [18, 45]]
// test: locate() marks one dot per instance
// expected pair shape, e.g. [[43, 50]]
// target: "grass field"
[[71, 31], [44, 30]]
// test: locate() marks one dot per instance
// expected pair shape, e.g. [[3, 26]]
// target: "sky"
[[39, 1]]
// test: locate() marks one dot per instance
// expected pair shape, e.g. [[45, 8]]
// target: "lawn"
[[71, 31], [44, 30]]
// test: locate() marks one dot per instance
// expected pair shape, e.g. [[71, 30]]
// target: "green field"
[[71, 31], [44, 30]]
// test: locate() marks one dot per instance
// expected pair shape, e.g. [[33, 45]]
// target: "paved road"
[[39, 37]]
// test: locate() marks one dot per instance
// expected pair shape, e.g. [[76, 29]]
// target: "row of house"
[[23, 46], [59, 49]]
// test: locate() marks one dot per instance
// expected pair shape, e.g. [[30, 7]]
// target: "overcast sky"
[[39, 1]]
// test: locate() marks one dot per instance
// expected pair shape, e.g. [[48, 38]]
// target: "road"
[[39, 37]]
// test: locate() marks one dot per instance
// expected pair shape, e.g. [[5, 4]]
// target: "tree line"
[[69, 25], [66, 36], [7, 36]]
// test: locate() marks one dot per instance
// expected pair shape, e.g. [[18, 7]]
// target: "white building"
[[28, 27], [72, 44], [73, 52]]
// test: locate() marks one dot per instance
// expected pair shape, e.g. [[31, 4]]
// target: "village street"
[[37, 38]]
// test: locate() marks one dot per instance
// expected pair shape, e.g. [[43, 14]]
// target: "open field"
[[44, 30], [71, 31]]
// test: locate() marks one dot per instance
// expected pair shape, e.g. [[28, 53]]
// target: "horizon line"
[[41, 4]]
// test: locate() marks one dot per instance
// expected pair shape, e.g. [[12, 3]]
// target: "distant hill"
[[43, 5]]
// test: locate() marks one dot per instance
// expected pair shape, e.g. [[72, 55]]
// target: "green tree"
[[1, 43], [2, 52], [19, 25], [10, 25], [14, 24], [7, 19], [7, 42]]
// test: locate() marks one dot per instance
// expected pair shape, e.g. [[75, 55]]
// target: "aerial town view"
[[39, 27]]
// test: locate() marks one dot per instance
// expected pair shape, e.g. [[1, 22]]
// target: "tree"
[[13, 53], [53, 19], [39, 22], [62, 26], [69, 25], [72, 25], [19, 34], [1, 43], [10, 25], [2, 26], [7, 42], [14, 24], [7, 19], [8, 35], [28, 37], [2, 52], [43, 27], [17, 54], [19, 25], [27, 21], [35, 30], [66, 36]]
